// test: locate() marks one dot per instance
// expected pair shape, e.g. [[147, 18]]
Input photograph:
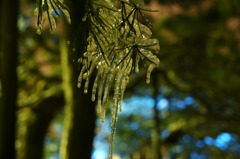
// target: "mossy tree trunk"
[[8, 76], [79, 122]]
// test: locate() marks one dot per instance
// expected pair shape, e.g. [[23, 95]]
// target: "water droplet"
[[84, 18], [108, 84], [149, 71], [93, 98], [86, 86], [80, 60], [94, 89], [99, 107], [80, 77], [39, 32]]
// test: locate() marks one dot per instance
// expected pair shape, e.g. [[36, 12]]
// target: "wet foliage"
[[116, 45]]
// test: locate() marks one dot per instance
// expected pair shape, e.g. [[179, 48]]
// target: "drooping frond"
[[50, 10], [117, 42]]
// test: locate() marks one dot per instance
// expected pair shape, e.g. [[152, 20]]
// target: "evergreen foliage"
[[117, 42]]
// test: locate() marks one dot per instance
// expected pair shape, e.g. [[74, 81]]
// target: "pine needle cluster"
[[117, 43]]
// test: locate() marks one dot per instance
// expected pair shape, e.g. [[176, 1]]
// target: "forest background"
[[190, 109]]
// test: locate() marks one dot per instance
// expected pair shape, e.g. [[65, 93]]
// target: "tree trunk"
[[8, 76], [156, 122], [35, 126], [79, 122]]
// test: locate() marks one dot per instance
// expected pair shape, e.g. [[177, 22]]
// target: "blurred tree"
[[37, 120], [8, 77], [40, 97], [200, 54], [41, 94], [156, 121], [200, 46], [204, 46]]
